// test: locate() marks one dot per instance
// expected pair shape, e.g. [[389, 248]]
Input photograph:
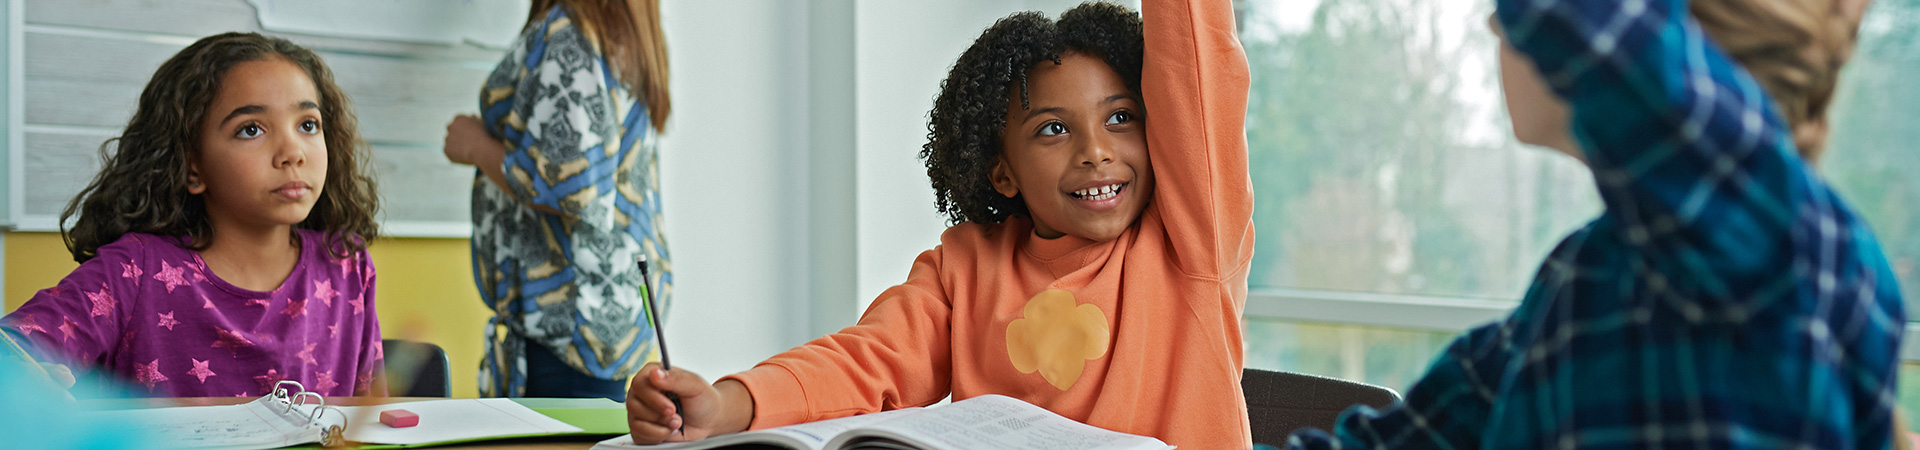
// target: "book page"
[[451, 420], [994, 422], [809, 436]]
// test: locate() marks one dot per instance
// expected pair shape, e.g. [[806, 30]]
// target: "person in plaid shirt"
[[1726, 298]]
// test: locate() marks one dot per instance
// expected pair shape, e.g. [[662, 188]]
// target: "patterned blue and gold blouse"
[[577, 143]]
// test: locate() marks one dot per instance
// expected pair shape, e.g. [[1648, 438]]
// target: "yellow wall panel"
[[35, 261], [426, 294]]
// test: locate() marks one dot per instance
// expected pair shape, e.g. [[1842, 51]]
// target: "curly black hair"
[[142, 184], [969, 115]]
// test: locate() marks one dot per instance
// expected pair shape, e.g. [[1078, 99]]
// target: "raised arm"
[[1194, 81], [1695, 165]]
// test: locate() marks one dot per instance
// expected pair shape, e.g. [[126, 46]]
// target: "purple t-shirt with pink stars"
[[149, 312]]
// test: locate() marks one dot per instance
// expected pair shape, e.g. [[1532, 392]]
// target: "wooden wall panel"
[[58, 166], [417, 184], [86, 62]]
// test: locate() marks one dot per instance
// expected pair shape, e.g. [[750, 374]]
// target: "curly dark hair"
[[969, 115], [142, 184]]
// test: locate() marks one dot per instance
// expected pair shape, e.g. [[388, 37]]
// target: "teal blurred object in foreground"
[[38, 417]]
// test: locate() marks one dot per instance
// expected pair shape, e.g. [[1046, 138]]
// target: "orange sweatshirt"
[[1140, 334]]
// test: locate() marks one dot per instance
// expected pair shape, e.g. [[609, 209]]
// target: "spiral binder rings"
[[309, 418]]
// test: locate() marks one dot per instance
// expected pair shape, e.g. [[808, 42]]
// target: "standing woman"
[[567, 196]]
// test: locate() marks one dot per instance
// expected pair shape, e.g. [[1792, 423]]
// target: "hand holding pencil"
[[667, 404], [655, 321], [653, 417]]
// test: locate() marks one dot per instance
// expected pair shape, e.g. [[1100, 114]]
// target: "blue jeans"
[[548, 376]]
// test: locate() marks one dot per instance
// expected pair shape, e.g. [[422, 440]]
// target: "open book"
[[992, 422]]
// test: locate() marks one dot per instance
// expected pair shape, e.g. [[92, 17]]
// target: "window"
[[1384, 167]]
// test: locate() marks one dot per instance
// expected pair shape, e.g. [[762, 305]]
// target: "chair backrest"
[[416, 369], [1280, 402]]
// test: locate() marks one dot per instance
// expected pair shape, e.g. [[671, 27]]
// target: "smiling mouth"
[[1099, 192]]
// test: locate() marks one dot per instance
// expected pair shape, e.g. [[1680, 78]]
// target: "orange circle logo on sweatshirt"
[[1057, 337]]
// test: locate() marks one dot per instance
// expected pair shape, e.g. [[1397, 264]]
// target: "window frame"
[[1454, 314]]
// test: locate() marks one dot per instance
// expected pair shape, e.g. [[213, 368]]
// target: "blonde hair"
[[629, 33], [1794, 49]]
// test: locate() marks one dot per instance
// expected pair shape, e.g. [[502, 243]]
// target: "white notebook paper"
[[290, 416], [451, 420]]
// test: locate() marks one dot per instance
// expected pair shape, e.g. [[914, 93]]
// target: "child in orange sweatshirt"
[[1098, 266]]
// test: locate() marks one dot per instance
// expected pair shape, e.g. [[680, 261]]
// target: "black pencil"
[[659, 334]]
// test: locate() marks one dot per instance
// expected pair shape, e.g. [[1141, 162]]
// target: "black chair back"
[[1280, 402], [416, 369]]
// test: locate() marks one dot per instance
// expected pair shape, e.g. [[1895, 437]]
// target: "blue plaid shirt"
[[1727, 297]]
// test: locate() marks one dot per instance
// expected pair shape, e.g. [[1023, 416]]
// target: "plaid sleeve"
[[1766, 314], [1690, 156], [1726, 299]]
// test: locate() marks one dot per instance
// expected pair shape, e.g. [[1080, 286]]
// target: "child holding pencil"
[[1726, 298], [222, 245], [1096, 167]]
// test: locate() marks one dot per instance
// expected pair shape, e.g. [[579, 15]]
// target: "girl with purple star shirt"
[[222, 246]]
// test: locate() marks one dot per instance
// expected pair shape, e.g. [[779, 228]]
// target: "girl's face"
[[262, 159], [1539, 117], [1077, 155]]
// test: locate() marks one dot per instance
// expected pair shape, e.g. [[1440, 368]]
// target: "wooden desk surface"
[[540, 443]]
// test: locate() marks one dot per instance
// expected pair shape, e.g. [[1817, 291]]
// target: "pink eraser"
[[399, 418]]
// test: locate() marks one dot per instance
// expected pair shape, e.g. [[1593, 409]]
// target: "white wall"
[[733, 160]]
